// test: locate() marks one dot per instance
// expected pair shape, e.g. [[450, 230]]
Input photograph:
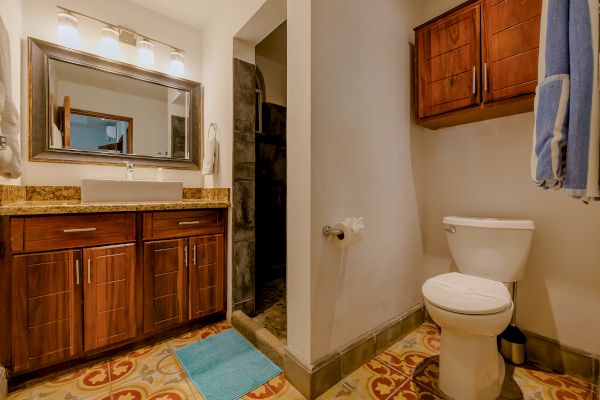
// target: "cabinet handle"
[[474, 82], [77, 270], [189, 222], [194, 255], [78, 230], [89, 271], [485, 77], [185, 256]]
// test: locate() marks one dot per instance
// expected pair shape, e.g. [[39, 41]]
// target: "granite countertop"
[[31, 202]]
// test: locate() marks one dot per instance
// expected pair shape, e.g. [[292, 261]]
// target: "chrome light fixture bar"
[[126, 35]]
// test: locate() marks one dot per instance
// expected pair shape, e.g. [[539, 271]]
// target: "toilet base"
[[470, 366]]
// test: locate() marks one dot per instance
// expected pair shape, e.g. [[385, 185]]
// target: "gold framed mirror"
[[83, 109]]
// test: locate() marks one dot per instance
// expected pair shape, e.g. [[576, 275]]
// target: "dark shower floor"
[[271, 308]]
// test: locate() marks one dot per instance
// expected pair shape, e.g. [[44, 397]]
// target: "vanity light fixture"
[[176, 68], [68, 32], [146, 53], [111, 36], [109, 44]]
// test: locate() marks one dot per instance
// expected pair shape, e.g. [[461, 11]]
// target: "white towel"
[[209, 161], [10, 154]]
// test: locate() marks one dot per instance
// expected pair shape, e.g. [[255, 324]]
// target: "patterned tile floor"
[[406, 371]]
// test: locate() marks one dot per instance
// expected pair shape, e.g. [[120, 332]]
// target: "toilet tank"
[[490, 248]]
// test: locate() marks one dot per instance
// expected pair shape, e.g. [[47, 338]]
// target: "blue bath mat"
[[226, 366]]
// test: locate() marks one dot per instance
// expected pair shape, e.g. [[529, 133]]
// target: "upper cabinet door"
[[165, 283], [512, 28], [448, 63], [206, 275], [109, 295], [46, 309]]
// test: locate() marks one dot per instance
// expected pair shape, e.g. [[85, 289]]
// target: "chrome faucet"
[[129, 170]]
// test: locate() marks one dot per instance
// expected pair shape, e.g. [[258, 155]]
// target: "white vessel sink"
[[121, 191]]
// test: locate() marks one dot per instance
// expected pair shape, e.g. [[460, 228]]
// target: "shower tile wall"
[[271, 195], [244, 227]]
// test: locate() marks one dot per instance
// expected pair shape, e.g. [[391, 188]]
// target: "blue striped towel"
[[566, 150]]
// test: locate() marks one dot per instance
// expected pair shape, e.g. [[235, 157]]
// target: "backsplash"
[[14, 193]]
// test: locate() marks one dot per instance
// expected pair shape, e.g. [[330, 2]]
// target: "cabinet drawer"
[[69, 231], [170, 224]]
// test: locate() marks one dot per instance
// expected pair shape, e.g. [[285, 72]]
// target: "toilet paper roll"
[[351, 236]]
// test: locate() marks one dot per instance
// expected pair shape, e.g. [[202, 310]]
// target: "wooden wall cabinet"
[[477, 61], [84, 284]]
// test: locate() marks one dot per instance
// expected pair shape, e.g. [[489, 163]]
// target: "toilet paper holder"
[[329, 231]]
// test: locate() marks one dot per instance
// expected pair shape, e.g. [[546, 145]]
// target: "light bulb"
[[68, 33], [109, 44], [176, 68], [146, 53]]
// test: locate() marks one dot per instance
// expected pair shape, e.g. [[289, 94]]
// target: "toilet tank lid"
[[490, 222]]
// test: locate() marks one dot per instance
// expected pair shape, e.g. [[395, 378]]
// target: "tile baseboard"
[[316, 379], [550, 353]]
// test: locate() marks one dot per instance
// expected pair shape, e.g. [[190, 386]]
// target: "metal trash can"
[[512, 341]]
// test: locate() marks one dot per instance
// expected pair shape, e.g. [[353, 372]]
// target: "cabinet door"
[[512, 31], [448, 63], [46, 309], [109, 295], [206, 275], [165, 283]]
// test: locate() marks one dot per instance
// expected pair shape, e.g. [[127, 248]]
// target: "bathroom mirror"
[[88, 109]]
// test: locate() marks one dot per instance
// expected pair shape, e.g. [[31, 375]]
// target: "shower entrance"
[[259, 188]]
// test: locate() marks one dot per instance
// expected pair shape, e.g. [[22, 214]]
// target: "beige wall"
[[39, 21], [11, 13], [299, 167], [482, 169], [361, 166]]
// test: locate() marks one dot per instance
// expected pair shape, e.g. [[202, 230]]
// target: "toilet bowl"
[[473, 306], [470, 366]]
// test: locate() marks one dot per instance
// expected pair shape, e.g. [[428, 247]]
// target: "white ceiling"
[[196, 13]]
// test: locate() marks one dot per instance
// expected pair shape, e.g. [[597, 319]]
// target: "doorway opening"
[[270, 181]]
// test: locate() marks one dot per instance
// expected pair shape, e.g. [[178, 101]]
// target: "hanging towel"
[[210, 151], [566, 150], [10, 154]]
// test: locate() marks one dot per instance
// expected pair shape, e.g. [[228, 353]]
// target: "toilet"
[[473, 306]]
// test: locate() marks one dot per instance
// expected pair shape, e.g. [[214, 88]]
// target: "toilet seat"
[[466, 294]]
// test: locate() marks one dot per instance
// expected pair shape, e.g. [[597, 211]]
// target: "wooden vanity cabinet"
[[183, 277], [109, 295], [477, 61], [164, 284], [85, 284], [206, 275], [46, 309]]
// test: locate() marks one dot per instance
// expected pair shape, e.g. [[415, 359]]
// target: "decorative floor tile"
[[143, 391], [89, 383], [408, 370], [146, 364], [538, 384]]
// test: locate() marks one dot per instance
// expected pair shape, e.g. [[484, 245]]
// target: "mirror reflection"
[[97, 111]]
